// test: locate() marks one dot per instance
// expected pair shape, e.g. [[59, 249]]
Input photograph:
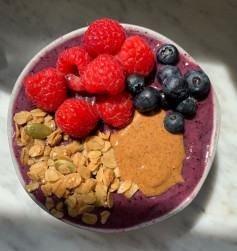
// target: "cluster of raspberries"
[[99, 67]]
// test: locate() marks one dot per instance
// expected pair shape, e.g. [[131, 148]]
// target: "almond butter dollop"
[[148, 154]]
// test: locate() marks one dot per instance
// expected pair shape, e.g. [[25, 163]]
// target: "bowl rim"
[[209, 156]]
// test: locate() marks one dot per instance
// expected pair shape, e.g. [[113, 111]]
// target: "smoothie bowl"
[[131, 155]]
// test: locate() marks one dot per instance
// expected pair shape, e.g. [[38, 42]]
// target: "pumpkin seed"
[[38, 131], [71, 166]]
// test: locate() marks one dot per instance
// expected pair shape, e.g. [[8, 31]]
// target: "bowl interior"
[[209, 153]]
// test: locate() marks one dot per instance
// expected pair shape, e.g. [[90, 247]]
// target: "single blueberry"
[[187, 106], [135, 83], [168, 71], [167, 54], [175, 88], [174, 122], [147, 100], [198, 83], [164, 102]]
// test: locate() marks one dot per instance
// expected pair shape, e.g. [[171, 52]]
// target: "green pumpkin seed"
[[70, 165], [38, 131]]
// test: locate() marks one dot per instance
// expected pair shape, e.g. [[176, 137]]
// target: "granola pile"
[[83, 175]]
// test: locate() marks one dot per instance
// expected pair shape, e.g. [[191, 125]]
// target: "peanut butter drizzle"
[[148, 154]]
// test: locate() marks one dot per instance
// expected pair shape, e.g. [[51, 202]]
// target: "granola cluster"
[[82, 174]]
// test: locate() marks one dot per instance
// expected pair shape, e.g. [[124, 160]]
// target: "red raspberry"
[[76, 117], [104, 36], [116, 110], [136, 57], [104, 74], [75, 83], [73, 61], [46, 89]]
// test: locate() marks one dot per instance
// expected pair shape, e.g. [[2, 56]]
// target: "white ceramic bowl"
[[209, 155]]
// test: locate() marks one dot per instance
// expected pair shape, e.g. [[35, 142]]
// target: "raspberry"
[[73, 61], [75, 83], [104, 36], [76, 117], [116, 110], [46, 89], [104, 74], [136, 57]]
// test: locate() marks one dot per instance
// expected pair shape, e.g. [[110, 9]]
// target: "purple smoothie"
[[139, 209]]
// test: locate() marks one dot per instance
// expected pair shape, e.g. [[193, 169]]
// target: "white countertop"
[[207, 30]]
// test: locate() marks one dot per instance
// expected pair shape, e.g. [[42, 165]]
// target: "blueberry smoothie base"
[[139, 209]]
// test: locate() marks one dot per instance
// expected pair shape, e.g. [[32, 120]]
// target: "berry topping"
[[136, 56], [73, 61], [187, 106], [75, 83], [175, 88], [164, 102], [174, 122], [116, 110], [135, 83], [168, 71], [104, 36], [76, 117], [167, 54], [104, 74], [147, 100], [198, 83], [46, 89]]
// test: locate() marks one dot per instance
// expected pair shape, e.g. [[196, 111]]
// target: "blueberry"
[[174, 122], [167, 54], [175, 88], [198, 83], [147, 100], [164, 102], [168, 71], [135, 83], [187, 106]]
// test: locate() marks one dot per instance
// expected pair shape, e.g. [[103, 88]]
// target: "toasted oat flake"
[[24, 156], [108, 176], [38, 113], [17, 131], [78, 159], [101, 190], [84, 172], [72, 180], [89, 218], [108, 160], [57, 152], [49, 203], [86, 209], [88, 186], [33, 176], [33, 185], [57, 214], [71, 201], [37, 149], [104, 216], [104, 136], [59, 205], [106, 147], [74, 147], [89, 198], [54, 138], [59, 188], [51, 175], [94, 143], [116, 172], [64, 169], [132, 190], [47, 189], [22, 117], [124, 186], [73, 212], [114, 185], [110, 200]]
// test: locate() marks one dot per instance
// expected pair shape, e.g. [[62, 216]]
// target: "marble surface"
[[207, 30]]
